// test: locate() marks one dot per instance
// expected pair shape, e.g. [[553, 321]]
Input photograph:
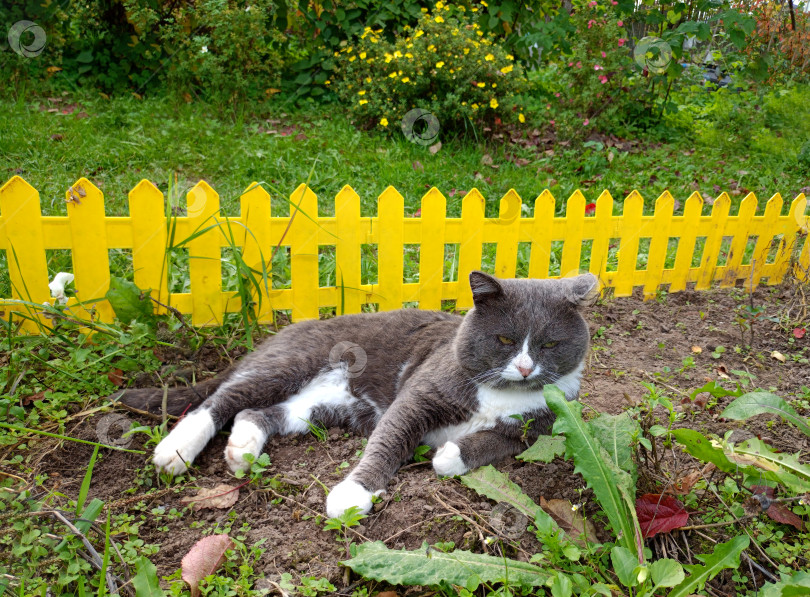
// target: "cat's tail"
[[177, 400]]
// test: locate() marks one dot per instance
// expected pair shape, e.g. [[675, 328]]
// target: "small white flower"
[[57, 286], [247, 8], [204, 50]]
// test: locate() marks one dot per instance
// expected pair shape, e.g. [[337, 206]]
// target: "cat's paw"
[[346, 494], [184, 443], [447, 462], [246, 438]]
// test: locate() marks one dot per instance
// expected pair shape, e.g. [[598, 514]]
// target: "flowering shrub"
[[789, 50], [594, 80], [445, 64]]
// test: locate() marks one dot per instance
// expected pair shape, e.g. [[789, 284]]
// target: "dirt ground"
[[635, 342]]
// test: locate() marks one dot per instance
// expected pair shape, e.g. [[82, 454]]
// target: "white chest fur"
[[498, 405]]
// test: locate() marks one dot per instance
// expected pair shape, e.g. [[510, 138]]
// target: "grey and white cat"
[[405, 378]]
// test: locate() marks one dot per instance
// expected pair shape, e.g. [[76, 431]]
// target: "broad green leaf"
[[616, 433], [562, 586], [490, 482], [545, 449], [758, 403], [781, 467], [702, 448], [427, 566], [725, 555], [613, 488], [666, 573], [127, 302], [624, 565], [797, 584], [146, 579]]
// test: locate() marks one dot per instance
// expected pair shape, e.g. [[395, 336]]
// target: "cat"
[[404, 378]]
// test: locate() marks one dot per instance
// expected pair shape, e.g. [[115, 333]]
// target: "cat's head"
[[523, 334]]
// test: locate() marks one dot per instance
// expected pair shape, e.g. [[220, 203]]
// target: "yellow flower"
[[493, 103], [431, 48], [484, 3], [393, 75], [480, 33], [362, 55], [352, 58], [405, 79], [466, 50], [439, 5], [419, 33], [368, 79], [488, 57], [327, 82], [439, 19], [521, 117], [409, 56], [475, 106], [363, 92], [481, 84], [510, 57], [439, 64], [424, 10], [507, 69], [383, 122], [361, 102], [397, 54], [388, 58]]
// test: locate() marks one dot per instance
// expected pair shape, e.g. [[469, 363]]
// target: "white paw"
[[448, 462], [346, 494], [246, 438], [184, 443]]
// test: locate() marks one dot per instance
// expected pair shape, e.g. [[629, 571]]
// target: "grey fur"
[[424, 373]]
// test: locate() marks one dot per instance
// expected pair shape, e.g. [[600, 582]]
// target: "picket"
[[447, 245]]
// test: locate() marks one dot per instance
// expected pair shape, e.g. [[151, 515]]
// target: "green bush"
[[445, 65]]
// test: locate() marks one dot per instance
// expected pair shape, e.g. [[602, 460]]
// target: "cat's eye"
[[550, 344], [505, 340]]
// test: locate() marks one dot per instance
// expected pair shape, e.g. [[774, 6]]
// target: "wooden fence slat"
[[601, 241], [255, 209], [347, 271], [25, 249], [303, 237], [205, 254], [657, 256], [541, 235], [802, 269], [91, 257], [686, 242], [767, 229], [788, 242], [744, 219], [572, 247], [431, 253], [473, 210], [628, 247], [508, 233], [148, 216], [390, 264], [714, 242]]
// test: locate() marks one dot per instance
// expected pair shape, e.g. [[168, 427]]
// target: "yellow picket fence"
[[25, 235]]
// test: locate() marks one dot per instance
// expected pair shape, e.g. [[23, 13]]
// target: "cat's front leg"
[[474, 450]]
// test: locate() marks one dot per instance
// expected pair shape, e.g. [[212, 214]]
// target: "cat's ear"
[[583, 290], [484, 287]]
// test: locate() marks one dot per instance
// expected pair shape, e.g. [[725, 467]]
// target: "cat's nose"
[[524, 371]]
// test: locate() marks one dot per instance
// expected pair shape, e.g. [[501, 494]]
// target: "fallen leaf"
[[570, 521], [300, 137], [702, 399], [388, 594], [778, 356], [418, 167], [777, 511], [486, 160], [722, 372], [697, 349], [203, 559], [799, 333], [434, 149], [222, 496], [56, 137], [684, 484], [116, 377], [33, 398], [659, 514]]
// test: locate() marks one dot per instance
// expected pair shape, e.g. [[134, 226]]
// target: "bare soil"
[[638, 342]]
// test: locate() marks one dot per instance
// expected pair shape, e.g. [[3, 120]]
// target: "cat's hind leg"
[[251, 428]]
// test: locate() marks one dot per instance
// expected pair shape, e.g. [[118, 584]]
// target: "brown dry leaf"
[[778, 511], [116, 377], [702, 399], [434, 149], [33, 398], [570, 521], [722, 372], [697, 349], [222, 496], [685, 484], [388, 594], [778, 356], [56, 137], [203, 559], [300, 137], [486, 160], [418, 167]]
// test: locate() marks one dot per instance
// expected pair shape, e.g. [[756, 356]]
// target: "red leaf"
[[799, 333], [590, 209], [778, 511], [203, 559], [659, 514], [116, 377]]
